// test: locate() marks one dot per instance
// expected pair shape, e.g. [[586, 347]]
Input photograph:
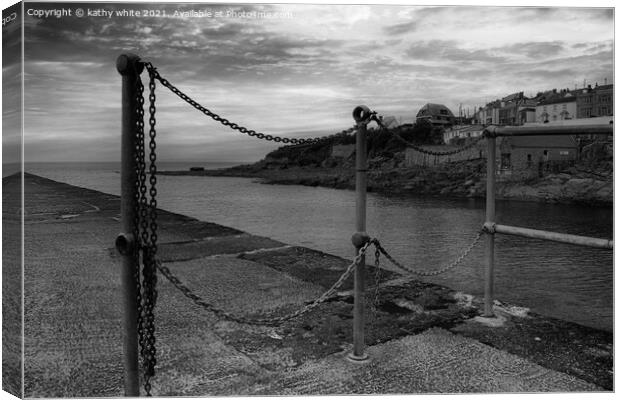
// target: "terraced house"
[[557, 108], [597, 101]]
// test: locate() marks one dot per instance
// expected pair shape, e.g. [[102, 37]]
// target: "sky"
[[296, 70]]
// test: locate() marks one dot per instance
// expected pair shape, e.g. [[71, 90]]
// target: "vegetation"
[[381, 143]]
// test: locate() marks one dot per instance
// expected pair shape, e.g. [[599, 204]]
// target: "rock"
[[605, 193], [578, 185], [410, 305]]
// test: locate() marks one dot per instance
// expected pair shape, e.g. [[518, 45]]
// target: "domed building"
[[437, 114]]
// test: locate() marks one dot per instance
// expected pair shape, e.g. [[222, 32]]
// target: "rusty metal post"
[[490, 232], [130, 67], [361, 114]]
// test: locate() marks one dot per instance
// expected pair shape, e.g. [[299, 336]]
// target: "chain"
[[375, 302], [250, 132], [199, 301], [446, 268], [425, 151], [145, 234], [149, 235], [139, 161]]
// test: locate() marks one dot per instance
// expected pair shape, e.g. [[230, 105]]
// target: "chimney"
[[605, 81]]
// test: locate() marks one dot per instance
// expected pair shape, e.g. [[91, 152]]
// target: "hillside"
[[589, 181]]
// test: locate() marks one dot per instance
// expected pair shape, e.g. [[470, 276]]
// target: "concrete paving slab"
[[241, 286], [435, 361], [233, 244]]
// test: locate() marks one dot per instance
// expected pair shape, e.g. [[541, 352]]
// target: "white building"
[[557, 109], [462, 131]]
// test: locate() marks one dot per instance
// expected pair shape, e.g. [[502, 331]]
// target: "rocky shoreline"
[[465, 179]]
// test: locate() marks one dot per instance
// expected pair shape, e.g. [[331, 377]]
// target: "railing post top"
[[359, 239], [361, 114], [490, 132], [128, 64]]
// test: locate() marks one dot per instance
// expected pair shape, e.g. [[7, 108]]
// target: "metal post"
[[129, 66], [490, 233], [555, 236], [360, 238]]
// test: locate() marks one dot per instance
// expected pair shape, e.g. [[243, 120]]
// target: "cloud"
[[450, 50], [535, 49], [294, 76], [399, 29]]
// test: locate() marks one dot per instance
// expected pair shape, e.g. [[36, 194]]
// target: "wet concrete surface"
[[422, 338]]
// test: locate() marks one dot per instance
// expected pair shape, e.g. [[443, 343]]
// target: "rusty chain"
[[199, 301], [250, 132], [421, 149], [375, 300], [446, 268], [145, 233], [138, 206]]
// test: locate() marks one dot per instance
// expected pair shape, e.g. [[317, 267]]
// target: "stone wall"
[[413, 157]]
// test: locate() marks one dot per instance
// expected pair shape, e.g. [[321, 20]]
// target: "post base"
[[358, 359]]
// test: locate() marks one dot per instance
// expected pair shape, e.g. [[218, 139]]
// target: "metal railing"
[[491, 227], [130, 67]]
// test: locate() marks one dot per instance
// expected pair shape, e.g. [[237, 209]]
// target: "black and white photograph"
[[243, 199]]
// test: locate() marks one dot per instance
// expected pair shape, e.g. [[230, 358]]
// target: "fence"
[[138, 241], [491, 227]]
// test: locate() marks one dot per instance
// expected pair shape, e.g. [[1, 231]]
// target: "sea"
[[426, 233]]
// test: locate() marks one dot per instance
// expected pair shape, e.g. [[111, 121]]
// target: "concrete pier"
[[421, 338]]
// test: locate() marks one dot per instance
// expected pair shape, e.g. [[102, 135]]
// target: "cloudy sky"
[[297, 75]]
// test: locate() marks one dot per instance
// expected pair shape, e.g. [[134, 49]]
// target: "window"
[[505, 161], [529, 160]]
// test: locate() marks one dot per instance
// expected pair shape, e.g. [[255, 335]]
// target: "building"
[[526, 111], [595, 101], [389, 122], [462, 132], [558, 108], [516, 109], [436, 114], [489, 114], [527, 156]]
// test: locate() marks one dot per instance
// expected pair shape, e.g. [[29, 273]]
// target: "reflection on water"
[[568, 282]]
